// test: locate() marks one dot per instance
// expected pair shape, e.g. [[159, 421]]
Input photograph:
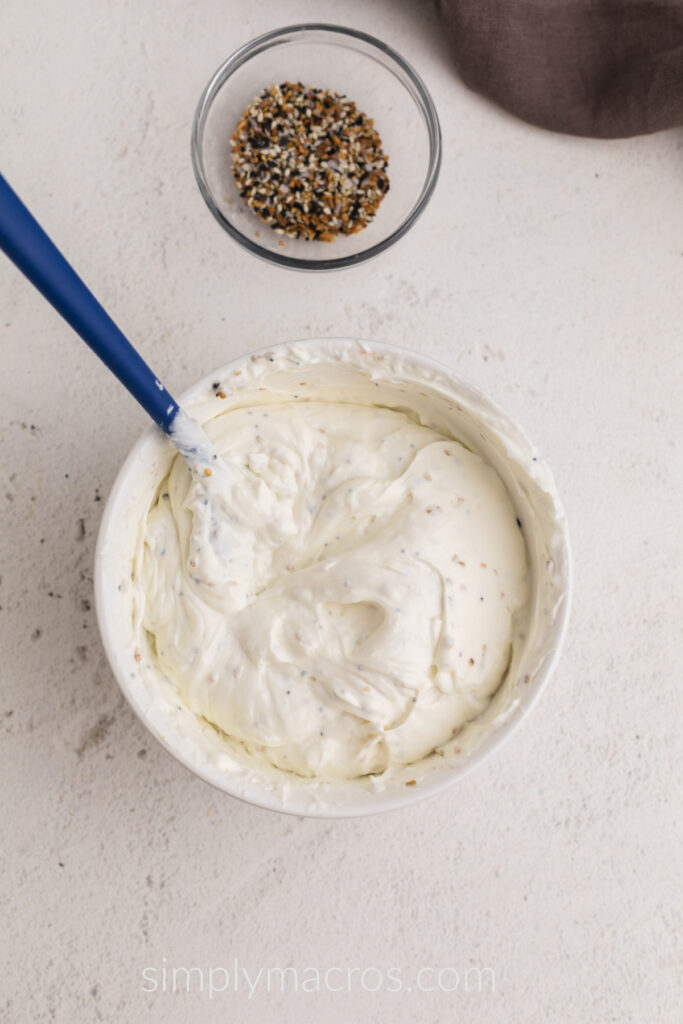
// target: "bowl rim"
[[261, 796], [264, 42]]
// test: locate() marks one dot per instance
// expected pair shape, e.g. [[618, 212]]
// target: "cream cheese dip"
[[344, 593], [167, 631]]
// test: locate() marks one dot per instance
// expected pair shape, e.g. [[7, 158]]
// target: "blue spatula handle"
[[27, 245]]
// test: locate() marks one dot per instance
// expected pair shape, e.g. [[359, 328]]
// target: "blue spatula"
[[27, 245]]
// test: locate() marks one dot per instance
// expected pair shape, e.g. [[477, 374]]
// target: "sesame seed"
[[309, 163]]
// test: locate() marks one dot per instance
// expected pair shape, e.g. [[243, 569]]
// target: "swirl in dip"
[[344, 594]]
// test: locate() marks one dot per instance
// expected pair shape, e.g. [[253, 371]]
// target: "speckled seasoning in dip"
[[343, 596], [309, 163]]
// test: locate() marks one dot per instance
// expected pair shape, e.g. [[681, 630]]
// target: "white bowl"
[[368, 372]]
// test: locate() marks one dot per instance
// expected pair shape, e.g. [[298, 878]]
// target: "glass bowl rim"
[[264, 42]]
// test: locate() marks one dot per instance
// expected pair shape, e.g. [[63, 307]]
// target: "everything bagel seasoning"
[[309, 163]]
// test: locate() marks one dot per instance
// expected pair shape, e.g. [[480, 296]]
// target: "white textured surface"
[[547, 270]]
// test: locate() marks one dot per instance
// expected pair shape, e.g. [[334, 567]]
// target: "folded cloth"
[[606, 68]]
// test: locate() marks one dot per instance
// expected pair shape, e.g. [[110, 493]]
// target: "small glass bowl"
[[381, 83]]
